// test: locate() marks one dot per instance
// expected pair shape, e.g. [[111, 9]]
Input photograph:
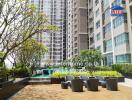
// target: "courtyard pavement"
[[54, 92], [128, 82]]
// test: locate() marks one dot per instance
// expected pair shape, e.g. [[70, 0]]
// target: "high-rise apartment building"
[[87, 24], [91, 24], [56, 41], [77, 37], [111, 34]]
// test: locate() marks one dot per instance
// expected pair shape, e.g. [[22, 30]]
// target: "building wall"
[[111, 34], [91, 24], [87, 24], [129, 17], [69, 32], [76, 27]]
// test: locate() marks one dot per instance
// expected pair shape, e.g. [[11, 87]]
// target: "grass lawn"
[[54, 92]]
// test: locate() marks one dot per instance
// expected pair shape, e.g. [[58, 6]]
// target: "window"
[[99, 48], [97, 24], [124, 58], [117, 2], [121, 39], [96, 2], [109, 44], [98, 36], [107, 28], [107, 13], [118, 21], [97, 12], [108, 59], [105, 3]]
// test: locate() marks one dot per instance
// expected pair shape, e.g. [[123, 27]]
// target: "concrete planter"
[[10, 88], [56, 80], [128, 76], [6, 84], [121, 79]]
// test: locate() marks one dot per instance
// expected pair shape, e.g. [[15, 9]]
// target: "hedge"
[[97, 73], [123, 68]]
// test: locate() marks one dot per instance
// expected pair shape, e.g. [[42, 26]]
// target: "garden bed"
[[56, 80], [10, 88]]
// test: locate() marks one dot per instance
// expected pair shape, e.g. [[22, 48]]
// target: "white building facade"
[[111, 33]]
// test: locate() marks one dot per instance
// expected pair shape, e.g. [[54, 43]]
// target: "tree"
[[19, 21], [76, 61], [30, 52], [65, 63], [91, 58], [1, 56]]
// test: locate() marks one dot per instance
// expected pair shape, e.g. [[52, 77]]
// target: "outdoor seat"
[[91, 77], [112, 84], [77, 85], [68, 80], [92, 84], [103, 84], [64, 85], [84, 78], [102, 81]]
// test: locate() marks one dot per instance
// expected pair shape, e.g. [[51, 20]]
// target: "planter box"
[[121, 79], [10, 88], [6, 84], [2, 80], [128, 76], [56, 80]]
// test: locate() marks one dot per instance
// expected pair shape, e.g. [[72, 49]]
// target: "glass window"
[[99, 48], [109, 44], [107, 13], [107, 28], [96, 2], [97, 24], [121, 39], [124, 58], [97, 12], [108, 59], [119, 21], [105, 3], [98, 36]]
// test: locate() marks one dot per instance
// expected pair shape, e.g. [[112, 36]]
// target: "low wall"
[[10, 88]]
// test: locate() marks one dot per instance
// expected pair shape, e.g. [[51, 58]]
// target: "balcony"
[[92, 46], [91, 25], [90, 5], [91, 34], [91, 15]]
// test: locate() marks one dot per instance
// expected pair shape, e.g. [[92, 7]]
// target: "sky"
[[8, 63]]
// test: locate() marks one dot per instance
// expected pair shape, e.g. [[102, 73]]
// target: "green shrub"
[[117, 67], [123, 68], [21, 71], [4, 72], [97, 73], [103, 68], [108, 73]]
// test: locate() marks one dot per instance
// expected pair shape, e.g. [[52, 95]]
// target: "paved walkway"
[[54, 92], [128, 82]]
